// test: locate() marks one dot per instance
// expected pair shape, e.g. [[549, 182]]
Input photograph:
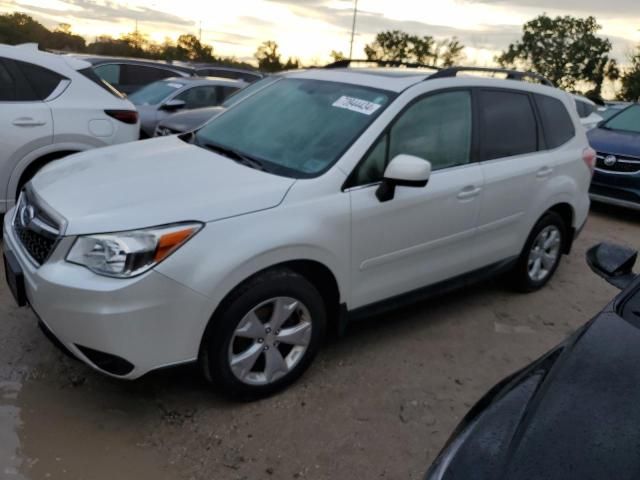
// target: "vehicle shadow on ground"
[[186, 382], [616, 213]]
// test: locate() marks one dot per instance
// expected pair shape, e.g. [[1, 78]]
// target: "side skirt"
[[425, 293]]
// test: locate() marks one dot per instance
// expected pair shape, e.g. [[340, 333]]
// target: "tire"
[[524, 275], [265, 359]]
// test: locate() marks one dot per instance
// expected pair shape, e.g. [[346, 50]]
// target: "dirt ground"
[[377, 404]]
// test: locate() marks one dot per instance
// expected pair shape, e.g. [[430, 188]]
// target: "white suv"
[[53, 106], [326, 195]]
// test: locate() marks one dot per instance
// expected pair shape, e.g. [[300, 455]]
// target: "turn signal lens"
[[171, 241]]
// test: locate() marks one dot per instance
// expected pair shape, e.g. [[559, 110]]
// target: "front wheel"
[[541, 254], [265, 336]]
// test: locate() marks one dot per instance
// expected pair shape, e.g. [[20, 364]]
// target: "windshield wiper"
[[236, 156]]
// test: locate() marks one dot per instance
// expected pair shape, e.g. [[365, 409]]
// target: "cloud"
[[110, 11], [583, 7]]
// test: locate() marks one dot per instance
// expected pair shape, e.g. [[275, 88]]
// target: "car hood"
[[184, 121], [153, 182], [618, 143], [572, 415]]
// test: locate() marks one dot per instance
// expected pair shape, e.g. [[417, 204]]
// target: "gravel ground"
[[378, 403]]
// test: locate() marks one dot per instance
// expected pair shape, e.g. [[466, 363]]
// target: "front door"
[[424, 234]]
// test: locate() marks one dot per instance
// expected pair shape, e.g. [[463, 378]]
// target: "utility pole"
[[353, 28], [200, 32]]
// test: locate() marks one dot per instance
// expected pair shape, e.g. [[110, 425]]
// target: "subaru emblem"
[[26, 215]]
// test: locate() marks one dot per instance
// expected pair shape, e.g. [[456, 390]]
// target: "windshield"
[[155, 93], [627, 120], [248, 91], [297, 127]]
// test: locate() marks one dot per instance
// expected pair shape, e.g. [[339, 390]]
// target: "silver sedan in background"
[[160, 99]]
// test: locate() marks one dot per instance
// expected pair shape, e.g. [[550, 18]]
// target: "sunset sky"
[[310, 29]]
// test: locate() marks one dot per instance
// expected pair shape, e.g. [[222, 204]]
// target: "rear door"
[[515, 169], [25, 119]]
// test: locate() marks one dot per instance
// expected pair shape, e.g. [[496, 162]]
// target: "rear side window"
[[7, 84], [93, 76], [24, 82], [142, 75], [556, 122], [109, 73], [585, 109], [508, 124], [43, 81]]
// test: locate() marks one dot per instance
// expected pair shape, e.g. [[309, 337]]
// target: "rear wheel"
[[265, 337], [541, 254]]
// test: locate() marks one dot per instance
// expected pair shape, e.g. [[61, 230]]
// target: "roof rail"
[[382, 63], [511, 74]]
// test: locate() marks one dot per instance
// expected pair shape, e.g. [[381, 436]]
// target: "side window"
[[42, 81], [141, 75], [436, 128], [7, 84], [225, 92], [198, 97], [110, 73], [556, 121], [508, 124], [14, 86]]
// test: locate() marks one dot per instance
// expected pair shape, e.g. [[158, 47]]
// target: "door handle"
[[469, 192], [28, 122], [544, 172]]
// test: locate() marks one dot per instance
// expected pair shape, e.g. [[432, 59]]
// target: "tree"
[[337, 56], [270, 60], [566, 50], [16, 28], [62, 38], [396, 45], [449, 52], [630, 79], [190, 48]]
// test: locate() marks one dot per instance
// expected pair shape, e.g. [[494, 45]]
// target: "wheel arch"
[[567, 213], [316, 272]]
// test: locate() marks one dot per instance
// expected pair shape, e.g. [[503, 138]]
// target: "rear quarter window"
[[43, 81], [557, 125]]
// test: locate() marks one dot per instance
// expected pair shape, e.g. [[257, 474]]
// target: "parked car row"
[[129, 75]]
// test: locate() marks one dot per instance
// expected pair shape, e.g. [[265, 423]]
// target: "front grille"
[[622, 164], [37, 231]]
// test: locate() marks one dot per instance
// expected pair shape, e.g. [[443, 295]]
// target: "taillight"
[[589, 157], [125, 116]]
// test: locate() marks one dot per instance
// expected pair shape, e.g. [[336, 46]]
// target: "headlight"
[[127, 254]]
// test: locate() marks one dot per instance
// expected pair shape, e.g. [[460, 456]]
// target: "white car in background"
[[52, 106], [587, 111]]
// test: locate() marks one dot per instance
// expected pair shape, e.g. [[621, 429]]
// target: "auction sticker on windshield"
[[356, 105]]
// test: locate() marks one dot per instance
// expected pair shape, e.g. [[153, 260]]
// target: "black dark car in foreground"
[[616, 179], [573, 414]]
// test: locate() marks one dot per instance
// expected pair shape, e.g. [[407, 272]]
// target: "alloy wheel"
[[544, 253], [270, 341]]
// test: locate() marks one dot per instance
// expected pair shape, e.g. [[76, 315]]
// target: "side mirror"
[[172, 105], [614, 263], [403, 171]]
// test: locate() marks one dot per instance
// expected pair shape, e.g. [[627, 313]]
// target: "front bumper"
[[618, 189], [150, 321]]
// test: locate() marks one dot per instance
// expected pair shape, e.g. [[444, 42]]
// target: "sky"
[[311, 29]]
